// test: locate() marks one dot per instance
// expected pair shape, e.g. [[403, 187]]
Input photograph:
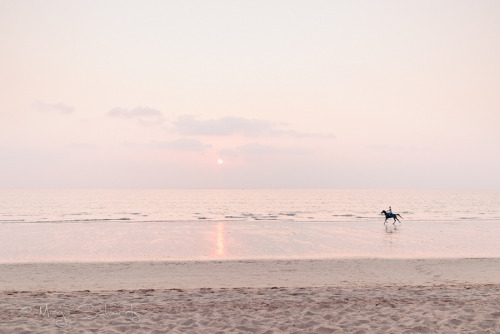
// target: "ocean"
[[228, 224]]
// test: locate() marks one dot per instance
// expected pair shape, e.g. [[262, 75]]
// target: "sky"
[[250, 94]]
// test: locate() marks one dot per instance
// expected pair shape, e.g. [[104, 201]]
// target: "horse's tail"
[[399, 215]]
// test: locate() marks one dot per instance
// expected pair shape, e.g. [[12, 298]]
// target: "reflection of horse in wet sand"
[[391, 215]]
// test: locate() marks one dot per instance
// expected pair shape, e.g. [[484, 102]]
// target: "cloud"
[[52, 107], [298, 134], [85, 146], [260, 149], [182, 144], [228, 153], [224, 126], [394, 148], [30, 156], [138, 112]]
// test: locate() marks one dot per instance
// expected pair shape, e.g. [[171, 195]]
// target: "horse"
[[391, 215]]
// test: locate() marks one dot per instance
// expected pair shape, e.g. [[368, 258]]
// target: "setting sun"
[[220, 161]]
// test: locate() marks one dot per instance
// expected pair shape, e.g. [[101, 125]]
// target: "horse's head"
[[383, 212]]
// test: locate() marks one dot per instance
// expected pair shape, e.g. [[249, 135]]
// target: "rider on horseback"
[[388, 214]]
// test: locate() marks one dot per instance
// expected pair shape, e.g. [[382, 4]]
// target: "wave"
[[69, 221], [256, 219]]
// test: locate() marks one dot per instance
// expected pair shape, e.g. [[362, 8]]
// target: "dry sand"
[[275, 296]]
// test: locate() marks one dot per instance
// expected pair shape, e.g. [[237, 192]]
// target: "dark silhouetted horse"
[[391, 215]]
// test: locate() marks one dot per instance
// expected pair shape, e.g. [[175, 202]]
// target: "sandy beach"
[[265, 296]]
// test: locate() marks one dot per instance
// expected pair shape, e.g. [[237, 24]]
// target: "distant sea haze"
[[127, 225]]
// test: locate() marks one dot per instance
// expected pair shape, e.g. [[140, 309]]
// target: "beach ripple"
[[383, 309]]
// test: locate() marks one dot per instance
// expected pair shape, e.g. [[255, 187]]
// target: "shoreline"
[[347, 273]]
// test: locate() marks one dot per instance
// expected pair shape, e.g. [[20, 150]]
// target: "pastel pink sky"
[[290, 94]]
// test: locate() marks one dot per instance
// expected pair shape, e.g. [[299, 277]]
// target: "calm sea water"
[[66, 206], [120, 225]]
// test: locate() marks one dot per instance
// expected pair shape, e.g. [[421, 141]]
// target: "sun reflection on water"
[[221, 247]]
